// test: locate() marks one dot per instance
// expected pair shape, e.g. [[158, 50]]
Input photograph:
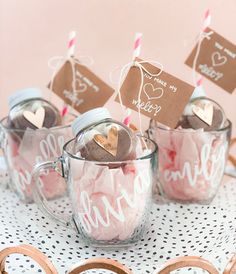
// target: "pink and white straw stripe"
[[207, 20], [137, 45], [127, 119], [70, 53], [71, 44], [199, 81]]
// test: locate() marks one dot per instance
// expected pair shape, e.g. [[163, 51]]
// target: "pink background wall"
[[32, 31]]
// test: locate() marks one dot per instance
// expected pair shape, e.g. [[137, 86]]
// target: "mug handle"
[[29, 251], [99, 263], [187, 261], [231, 266], [39, 198]]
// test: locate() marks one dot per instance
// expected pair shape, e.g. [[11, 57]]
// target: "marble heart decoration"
[[36, 118], [108, 143], [204, 112], [217, 59], [152, 92]]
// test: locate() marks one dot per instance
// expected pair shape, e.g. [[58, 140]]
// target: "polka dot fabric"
[[174, 230], [4, 177]]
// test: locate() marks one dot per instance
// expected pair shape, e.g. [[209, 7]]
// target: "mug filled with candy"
[[110, 172], [34, 131], [192, 157]]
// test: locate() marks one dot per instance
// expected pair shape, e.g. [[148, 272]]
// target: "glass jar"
[[22, 153], [33, 132], [100, 138], [29, 110]]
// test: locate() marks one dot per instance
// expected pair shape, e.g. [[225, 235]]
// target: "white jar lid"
[[24, 94], [88, 118]]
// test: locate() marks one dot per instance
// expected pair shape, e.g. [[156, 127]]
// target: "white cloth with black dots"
[[174, 230]]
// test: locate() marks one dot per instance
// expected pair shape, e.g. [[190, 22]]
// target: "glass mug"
[[110, 201], [191, 163], [24, 148]]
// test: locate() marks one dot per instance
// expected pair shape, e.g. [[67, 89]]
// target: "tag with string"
[[79, 87], [153, 92], [216, 59], [74, 83]]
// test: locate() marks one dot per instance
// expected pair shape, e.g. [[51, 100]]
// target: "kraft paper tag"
[[216, 61], [163, 97], [91, 91]]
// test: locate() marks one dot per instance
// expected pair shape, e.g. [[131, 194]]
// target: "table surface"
[[174, 230]]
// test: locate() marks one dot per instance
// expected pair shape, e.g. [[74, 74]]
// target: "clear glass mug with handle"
[[191, 163], [23, 148], [110, 201]]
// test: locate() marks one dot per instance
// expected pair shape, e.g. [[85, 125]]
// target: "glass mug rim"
[[24, 130], [146, 157], [186, 130]]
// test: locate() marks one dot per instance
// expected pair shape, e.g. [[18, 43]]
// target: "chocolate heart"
[[93, 151], [204, 112], [20, 122], [194, 122], [108, 143], [36, 118]]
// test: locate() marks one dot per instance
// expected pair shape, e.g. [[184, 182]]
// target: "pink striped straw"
[[137, 45], [207, 20], [136, 53], [71, 44], [64, 110], [127, 119], [199, 81], [70, 53]]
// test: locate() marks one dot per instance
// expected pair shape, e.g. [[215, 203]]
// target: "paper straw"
[[64, 110], [207, 20], [206, 23], [136, 53], [137, 45], [127, 119], [199, 81], [71, 44], [70, 53]]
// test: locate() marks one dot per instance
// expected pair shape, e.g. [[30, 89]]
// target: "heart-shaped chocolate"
[[36, 118], [192, 121], [204, 112], [108, 143], [123, 150]]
